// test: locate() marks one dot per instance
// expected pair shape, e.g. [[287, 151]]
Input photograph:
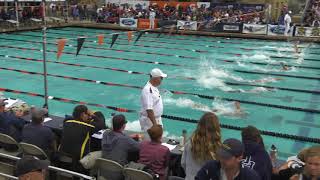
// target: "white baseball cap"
[[157, 73]]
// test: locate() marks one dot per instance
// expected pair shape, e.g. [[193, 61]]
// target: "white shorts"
[[146, 123]]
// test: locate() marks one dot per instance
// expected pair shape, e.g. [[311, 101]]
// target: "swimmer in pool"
[[296, 48], [284, 66], [266, 80], [237, 112]]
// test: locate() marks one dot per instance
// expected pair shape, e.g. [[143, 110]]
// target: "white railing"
[[53, 168]]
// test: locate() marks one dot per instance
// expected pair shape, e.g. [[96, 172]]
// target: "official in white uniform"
[[152, 16], [287, 21], [151, 101]]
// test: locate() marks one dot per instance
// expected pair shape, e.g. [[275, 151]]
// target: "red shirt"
[[155, 156]]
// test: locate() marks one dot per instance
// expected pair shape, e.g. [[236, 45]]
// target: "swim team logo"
[[128, 22]]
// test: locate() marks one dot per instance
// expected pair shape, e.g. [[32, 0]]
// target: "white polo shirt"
[[150, 100]]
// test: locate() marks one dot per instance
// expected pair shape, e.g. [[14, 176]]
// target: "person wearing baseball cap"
[[151, 101], [30, 167], [228, 166]]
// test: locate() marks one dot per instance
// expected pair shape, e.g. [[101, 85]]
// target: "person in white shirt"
[[151, 101], [152, 16], [287, 21]]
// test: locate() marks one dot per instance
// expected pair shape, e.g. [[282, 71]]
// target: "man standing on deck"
[[287, 22], [151, 101], [152, 16]]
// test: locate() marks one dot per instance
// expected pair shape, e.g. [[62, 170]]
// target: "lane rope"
[[235, 54], [172, 91], [176, 77], [168, 64], [125, 110]]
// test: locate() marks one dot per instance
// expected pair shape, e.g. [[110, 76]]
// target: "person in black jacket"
[[229, 165], [255, 156]]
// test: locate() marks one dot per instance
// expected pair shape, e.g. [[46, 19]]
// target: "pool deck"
[[201, 33]]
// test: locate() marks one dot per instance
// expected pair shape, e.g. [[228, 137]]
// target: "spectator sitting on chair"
[[37, 134], [11, 124], [202, 145], [255, 156], [77, 133], [229, 164], [153, 154], [115, 144], [31, 168], [304, 166]]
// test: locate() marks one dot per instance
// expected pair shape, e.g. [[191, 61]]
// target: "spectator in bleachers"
[[202, 145], [255, 156], [98, 121], [10, 123], [31, 168], [229, 165], [153, 154], [304, 166], [37, 134], [77, 133], [115, 144]]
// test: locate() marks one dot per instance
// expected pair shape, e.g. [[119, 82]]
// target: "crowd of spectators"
[[205, 156], [312, 15], [112, 12]]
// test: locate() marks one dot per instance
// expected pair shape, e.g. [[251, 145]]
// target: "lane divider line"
[[119, 109], [173, 92]]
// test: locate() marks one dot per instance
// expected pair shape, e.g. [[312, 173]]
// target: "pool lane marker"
[[167, 64], [176, 77], [163, 54], [261, 63], [276, 74], [251, 62], [112, 49], [199, 40], [172, 91], [182, 119], [248, 49], [235, 54], [98, 56]]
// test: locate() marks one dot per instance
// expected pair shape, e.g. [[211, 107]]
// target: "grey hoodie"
[[116, 145]]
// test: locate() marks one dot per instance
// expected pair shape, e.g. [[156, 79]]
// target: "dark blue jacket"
[[11, 125], [258, 159], [211, 171]]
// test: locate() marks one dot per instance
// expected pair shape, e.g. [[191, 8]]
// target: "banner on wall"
[[145, 23], [230, 27], [254, 29], [187, 25], [203, 4], [307, 31], [275, 30], [128, 22]]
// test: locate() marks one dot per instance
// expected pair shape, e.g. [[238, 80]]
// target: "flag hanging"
[[114, 38], [100, 39], [61, 44], [129, 36], [80, 41], [139, 36]]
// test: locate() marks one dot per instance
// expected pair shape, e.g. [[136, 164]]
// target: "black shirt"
[[38, 135], [76, 138]]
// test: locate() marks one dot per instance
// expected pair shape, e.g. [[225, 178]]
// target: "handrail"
[[8, 176], [82, 176]]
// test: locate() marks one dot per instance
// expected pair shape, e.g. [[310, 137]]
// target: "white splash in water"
[[185, 102]]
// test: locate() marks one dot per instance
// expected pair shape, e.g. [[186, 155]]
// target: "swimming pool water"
[[208, 62]]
